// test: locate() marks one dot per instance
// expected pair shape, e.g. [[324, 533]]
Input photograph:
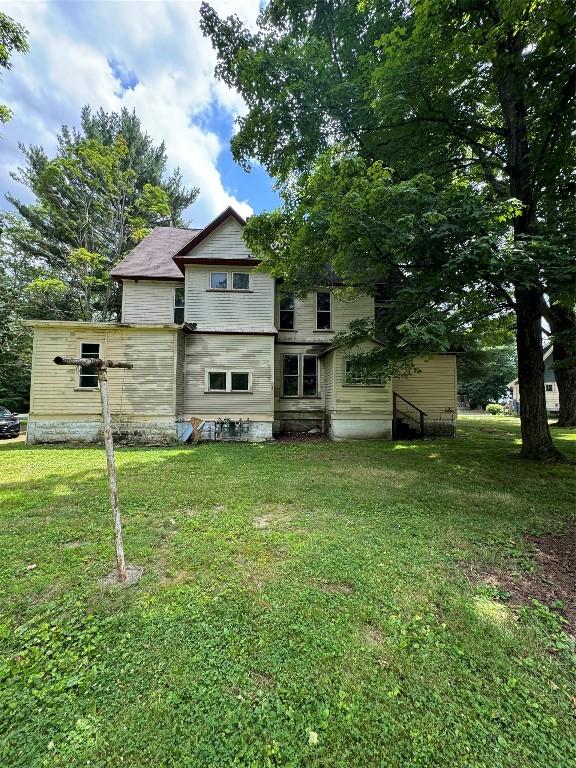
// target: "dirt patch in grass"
[[262, 680], [72, 544], [552, 581], [275, 516], [373, 635], [300, 437]]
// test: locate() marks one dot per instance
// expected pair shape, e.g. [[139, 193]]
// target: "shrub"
[[494, 408]]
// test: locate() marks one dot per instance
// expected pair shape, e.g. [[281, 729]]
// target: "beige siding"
[[433, 389], [148, 301], [229, 309], [296, 404], [180, 376], [224, 243], [329, 399], [343, 312], [354, 400], [254, 354], [147, 389]]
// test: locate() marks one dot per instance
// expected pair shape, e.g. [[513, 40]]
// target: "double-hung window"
[[323, 311], [353, 375], [228, 381], [88, 377], [299, 375], [287, 313], [179, 304], [229, 281]]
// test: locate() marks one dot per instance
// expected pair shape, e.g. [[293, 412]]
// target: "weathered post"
[[102, 366]]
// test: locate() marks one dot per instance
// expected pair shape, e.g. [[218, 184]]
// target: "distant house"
[[218, 348], [550, 386]]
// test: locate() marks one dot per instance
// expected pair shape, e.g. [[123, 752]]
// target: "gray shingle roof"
[[152, 258]]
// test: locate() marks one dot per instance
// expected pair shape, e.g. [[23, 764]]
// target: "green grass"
[[302, 605]]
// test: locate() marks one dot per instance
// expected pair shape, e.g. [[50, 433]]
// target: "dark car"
[[9, 424]]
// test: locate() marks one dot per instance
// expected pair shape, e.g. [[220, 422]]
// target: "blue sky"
[[147, 56]]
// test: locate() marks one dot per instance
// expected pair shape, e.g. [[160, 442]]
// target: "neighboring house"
[[550, 386], [214, 344]]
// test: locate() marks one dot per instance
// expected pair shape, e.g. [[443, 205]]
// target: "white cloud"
[[161, 43]]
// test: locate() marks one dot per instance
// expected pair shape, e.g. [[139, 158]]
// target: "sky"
[[147, 56]]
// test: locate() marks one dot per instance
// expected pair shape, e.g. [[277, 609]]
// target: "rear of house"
[[216, 347]]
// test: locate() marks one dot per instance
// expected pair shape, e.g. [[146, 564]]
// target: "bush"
[[495, 409]]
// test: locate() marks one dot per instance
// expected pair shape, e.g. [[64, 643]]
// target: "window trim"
[[323, 330], [549, 387], [175, 307], [301, 396], [228, 389], [346, 383], [280, 310], [230, 281], [78, 387]]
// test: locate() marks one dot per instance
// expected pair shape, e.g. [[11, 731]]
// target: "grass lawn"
[[302, 605]]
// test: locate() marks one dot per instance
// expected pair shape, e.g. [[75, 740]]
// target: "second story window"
[[240, 281], [323, 312], [287, 313], [229, 281], [219, 281], [179, 305], [88, 377]]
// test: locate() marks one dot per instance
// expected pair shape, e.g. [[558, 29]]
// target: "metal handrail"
[[396, 411], [410, 404]]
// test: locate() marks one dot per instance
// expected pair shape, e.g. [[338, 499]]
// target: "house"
[[550, 386], [214, 343]]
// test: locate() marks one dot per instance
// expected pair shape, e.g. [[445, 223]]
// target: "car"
[[9, 423]]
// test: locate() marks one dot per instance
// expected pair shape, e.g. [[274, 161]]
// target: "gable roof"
[[202, 234], [153, 257]]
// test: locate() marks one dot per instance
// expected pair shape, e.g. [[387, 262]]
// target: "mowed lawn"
[[302, 605]]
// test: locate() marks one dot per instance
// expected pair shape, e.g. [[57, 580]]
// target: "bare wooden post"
[[109, 446], [102, 366]]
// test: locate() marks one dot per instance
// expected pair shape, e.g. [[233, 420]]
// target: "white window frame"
[[228, 372], [174, 307], [322, 330], [549, 387], [230, 280], [79, 386], [300, 376], [368, 383]]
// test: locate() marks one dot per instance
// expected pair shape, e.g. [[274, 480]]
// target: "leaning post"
[[102, 366]]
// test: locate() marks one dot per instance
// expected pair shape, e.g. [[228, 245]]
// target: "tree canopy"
[[94, 201], [13, 37], [473, 99]]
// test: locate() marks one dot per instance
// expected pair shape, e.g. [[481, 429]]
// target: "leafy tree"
[[459, 91], [12, 38], [484, 373], [95, 200]]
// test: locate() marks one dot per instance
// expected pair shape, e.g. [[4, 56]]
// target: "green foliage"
[[99, 196], [494, 409], [351, 615], [484, 373], [13, 37]]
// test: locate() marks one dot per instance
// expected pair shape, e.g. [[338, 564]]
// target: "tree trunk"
[[510, 80], [536, 438], [563, 326]]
